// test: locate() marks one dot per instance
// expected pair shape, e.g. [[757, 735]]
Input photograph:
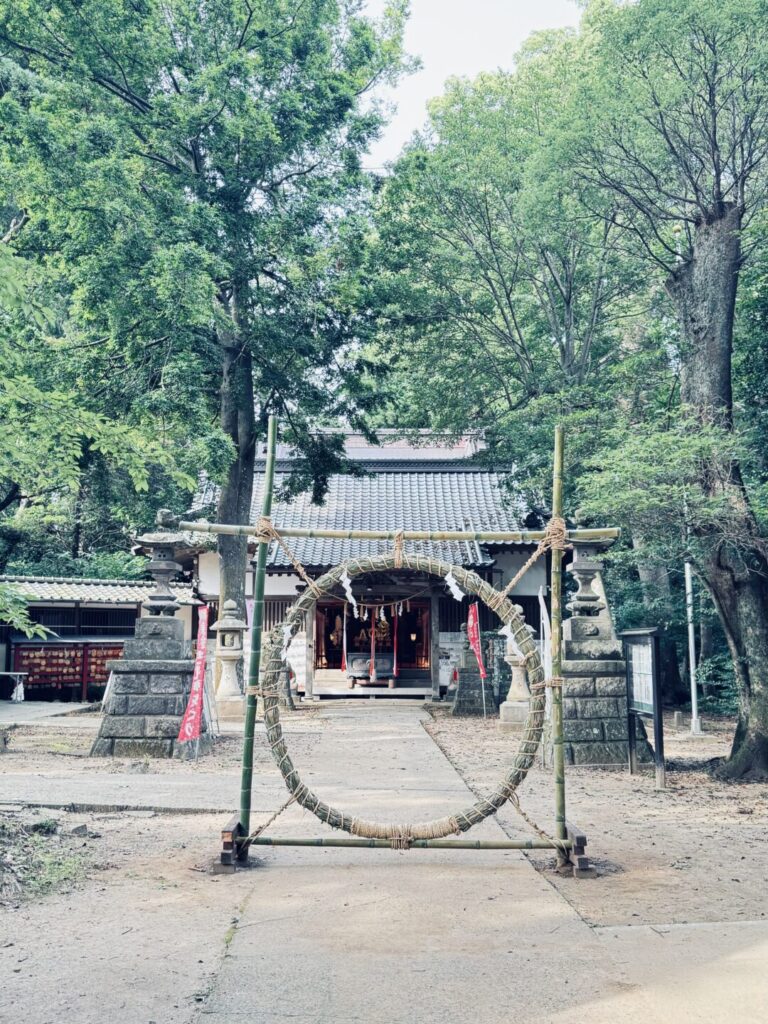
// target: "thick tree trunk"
[[239, 421], [732, 563]]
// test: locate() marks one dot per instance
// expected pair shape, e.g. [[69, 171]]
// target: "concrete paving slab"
[[33, 712], [380, 935], [327, 935]]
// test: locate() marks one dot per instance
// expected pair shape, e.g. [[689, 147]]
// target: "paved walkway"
[[37, 712], [330, 936], [333, 935]]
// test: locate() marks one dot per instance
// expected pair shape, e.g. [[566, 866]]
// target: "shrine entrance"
[[383, 643]]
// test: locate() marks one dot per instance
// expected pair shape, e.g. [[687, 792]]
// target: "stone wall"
[[149, 693]]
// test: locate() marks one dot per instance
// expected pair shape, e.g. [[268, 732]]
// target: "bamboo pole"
[[556, 592], [418, 844], [485, 536], [254, 666]]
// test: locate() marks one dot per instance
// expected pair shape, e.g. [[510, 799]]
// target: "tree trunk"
[[732, 562], [77, 524], [237, 416]]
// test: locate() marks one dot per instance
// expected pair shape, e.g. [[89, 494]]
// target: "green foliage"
[[514, 240], [99, 565], [651, 479], [13, 612], [191, 181], [715, 676]]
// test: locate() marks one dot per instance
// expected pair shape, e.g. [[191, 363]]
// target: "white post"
[[695, 720]]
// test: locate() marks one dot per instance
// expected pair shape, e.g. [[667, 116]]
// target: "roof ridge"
[[4, 578]]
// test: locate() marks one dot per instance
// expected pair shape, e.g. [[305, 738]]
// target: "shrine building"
[[431, 484]]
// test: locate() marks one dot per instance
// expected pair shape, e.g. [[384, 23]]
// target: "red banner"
[[473, 635], [190, 723]]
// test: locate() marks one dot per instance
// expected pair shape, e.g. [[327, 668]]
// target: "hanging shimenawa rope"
[[402, 835]]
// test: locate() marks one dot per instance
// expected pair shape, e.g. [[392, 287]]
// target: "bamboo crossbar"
[[487, 536], [416, 844]]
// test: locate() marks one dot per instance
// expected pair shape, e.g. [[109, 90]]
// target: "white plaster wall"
[[208, 573], [279, 586], [510, 561]]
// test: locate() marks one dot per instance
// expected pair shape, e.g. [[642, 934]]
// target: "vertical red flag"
[[190, 723], [473, 635]]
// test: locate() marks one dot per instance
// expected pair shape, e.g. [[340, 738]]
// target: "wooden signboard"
[[641, 653]]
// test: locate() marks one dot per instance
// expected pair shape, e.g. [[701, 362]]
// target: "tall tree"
[[190, 165], [675, 108], [501, 298]]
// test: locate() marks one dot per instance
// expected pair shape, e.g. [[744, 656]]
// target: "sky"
[[458, 37]]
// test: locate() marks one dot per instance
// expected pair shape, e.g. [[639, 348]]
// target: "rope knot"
[[556, 534], [398, 549], [266, 530], [555, 537]]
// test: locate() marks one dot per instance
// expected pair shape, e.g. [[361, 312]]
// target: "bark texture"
[[732, 563], [238, 419]]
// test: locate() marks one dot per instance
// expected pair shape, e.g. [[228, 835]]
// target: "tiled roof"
[[38, 589], [405, 497]]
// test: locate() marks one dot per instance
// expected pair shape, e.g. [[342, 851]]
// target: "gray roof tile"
[[39, 589], [389, 500]]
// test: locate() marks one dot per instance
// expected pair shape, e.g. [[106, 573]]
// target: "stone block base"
[[512, 715], [230, 709], [148, 696], [595, 715], [468, 699]]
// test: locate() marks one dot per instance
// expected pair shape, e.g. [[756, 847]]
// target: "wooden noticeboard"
[[641, 653]]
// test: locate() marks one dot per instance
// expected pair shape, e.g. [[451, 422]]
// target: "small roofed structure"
[[88, 620]]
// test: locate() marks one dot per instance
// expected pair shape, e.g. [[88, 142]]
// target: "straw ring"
[[471, 583]]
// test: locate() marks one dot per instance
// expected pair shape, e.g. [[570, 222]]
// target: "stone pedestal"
[[149, 693], [468, 699], [514, 710], [594, 676], [230, 702], [230, 709]]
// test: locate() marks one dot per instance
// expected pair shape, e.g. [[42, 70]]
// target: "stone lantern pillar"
[[514, 710], [151, 682], [230, 702], [594, 672]]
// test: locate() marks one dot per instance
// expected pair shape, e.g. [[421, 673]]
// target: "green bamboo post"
[[556, 591], [416, 844], [254, 666]]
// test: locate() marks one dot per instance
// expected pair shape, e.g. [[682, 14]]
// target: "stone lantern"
[[514, 711], [162, 567], [229, 651]]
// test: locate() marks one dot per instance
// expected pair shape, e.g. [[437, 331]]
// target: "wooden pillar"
[[434, 643]]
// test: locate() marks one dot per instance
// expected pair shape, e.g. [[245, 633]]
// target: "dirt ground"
[[48, 747], [696, 851]]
